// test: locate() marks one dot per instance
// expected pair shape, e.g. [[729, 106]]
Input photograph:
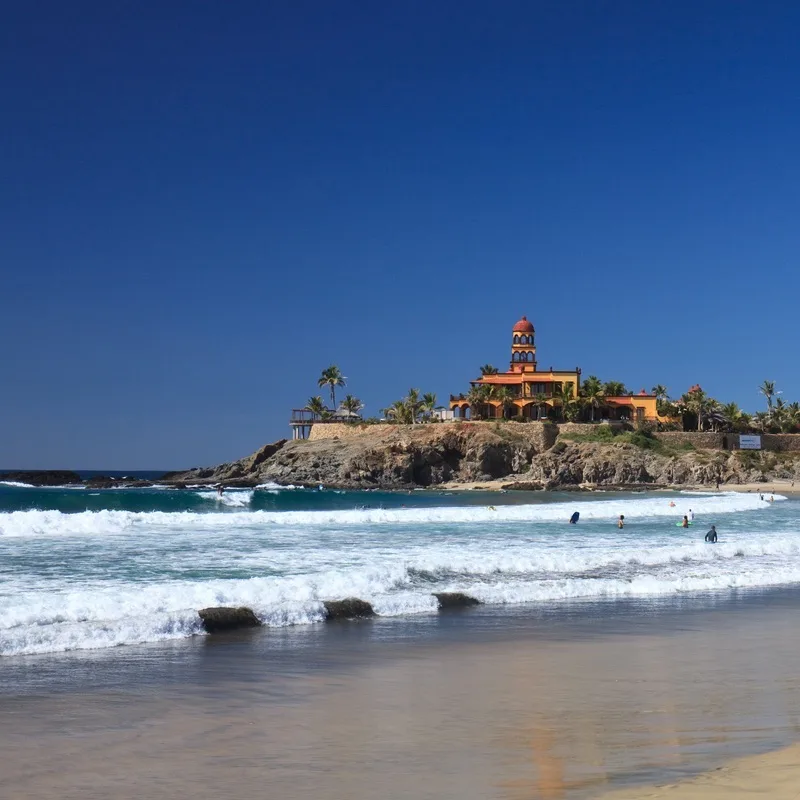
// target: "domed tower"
[[523, 349]]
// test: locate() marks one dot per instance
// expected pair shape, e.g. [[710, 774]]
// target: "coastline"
[[775, 775], [787, 488], [620, 702]]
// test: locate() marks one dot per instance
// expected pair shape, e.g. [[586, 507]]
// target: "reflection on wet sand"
[[480, 719]]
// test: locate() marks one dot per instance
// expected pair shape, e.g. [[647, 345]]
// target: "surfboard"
[[680, 524]]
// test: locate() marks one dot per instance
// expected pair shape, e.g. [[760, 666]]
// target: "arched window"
[[526, 340], [516, 339], [530, 356], [515, 357]]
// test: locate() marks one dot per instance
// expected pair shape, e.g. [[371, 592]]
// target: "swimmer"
[[672, 504], [491, 508], [621, 521], [685, 522], [220, 490], [573, 520], [772, 498], [711, 536]]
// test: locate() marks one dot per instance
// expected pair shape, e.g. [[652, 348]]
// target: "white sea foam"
[[105, 578], [17, 484], [233, 498], [54, 523]]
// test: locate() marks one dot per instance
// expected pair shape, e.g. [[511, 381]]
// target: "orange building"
[[528, 392]]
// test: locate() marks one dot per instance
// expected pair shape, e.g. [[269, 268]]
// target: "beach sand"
[[775, 776], [559, 708]]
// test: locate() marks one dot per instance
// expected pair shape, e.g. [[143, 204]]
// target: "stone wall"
[[541, 434], [771, 442], [341, 430], [702, 439], [583, 428]]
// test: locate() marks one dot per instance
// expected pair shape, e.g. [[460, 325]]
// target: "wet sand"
[[570, 705], [775, 776]]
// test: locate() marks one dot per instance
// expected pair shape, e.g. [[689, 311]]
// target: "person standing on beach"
[[711, 536]]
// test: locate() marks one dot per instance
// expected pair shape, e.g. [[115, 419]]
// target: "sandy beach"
[[786, 488], [775, 776], [564, 706]]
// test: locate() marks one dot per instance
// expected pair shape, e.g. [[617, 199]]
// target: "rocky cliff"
[[525, 455]]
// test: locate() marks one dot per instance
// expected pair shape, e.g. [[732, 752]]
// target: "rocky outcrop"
[[222, 618], [349, 608], [449, 601], [55, 477], [524, 454]]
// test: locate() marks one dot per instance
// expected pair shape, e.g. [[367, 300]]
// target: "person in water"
[[220, 490], [685, 523], [672, 504], [691, 515], [573, 520], [711, 536], [621, 521]]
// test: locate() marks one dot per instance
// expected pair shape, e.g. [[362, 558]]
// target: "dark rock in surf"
[[349, 608], [452, 600], [219, 619], [55, 477]]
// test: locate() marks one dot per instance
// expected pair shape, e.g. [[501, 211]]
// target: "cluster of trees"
[[700, 412], [412, 409], [332, 378], [484, 397]]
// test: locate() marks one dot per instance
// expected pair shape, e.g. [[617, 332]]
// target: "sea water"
[[84, 569]]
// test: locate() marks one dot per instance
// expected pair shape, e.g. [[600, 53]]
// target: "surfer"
[[711, 536], [573, 520], [685, 523], [621, 521], [220, 490]]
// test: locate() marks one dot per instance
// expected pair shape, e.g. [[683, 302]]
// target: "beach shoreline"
[[625, 699], [517, 483], [775, 775]]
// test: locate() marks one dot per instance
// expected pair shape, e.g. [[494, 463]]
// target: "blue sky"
[[205, 204]]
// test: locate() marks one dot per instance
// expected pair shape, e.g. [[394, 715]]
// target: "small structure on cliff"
[[530, 393]]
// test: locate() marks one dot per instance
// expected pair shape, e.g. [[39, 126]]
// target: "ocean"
[[84, 569]]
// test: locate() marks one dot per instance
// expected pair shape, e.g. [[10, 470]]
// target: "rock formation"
[[349, 608], [222, 618], [523, 456]]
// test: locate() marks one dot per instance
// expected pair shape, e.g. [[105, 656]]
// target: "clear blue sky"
[[204, 204]]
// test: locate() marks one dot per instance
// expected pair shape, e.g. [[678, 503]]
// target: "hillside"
[[405, 456]]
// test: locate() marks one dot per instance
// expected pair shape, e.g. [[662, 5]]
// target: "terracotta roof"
[[523, 326]]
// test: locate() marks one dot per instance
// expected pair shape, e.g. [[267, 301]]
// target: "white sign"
[[749, 442]]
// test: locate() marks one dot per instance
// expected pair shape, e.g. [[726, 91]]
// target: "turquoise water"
[[84, 569]]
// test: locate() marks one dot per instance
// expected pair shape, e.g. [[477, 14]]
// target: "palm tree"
[[566, 396], [429, 403], [593, 393], [660, 392], [352, 404], [317, 407], [698, 403], [398, 412], [768, 390], [732, 414], [488, 369], [503, 394], [332, 377], [793, 411], [540, 401], [478, 397], [414, 404], [614, 389]]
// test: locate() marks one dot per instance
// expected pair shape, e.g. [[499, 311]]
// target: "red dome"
[[523, 326]]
